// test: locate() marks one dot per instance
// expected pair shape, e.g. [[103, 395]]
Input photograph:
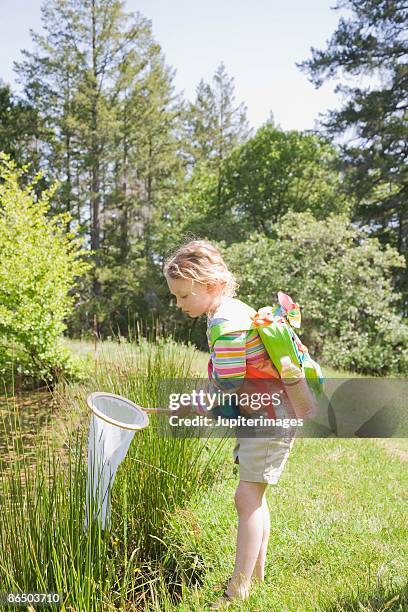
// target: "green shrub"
[[342, 279], [39, 264]]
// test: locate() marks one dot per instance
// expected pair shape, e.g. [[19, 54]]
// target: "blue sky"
[[259, 43]]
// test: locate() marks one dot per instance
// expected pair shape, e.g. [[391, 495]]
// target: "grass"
[[338, 532], [337, 523], [43, 496]]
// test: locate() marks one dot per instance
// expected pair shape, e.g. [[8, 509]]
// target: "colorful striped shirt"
[[232, 352]]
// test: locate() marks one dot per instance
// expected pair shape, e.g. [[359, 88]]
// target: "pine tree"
[[19, 129], [50, 75], [373, 120], [214, 122], [100, 84]]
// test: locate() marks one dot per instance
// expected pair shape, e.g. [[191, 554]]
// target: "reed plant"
[[44, 546]]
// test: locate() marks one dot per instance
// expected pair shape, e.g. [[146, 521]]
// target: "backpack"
[[275, 328]]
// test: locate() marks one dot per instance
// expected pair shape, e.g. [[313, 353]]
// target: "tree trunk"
[[124, 229], [95, 172]]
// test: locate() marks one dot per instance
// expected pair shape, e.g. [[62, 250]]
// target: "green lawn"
[[338, 531]]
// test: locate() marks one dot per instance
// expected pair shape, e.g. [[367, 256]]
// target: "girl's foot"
[[222, 602], [226, 599]]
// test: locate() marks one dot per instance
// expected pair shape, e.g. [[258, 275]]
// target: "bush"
[[342, 279], [39, 264]]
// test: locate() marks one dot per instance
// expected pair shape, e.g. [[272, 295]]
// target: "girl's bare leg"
[[250, 509], [259, 570]]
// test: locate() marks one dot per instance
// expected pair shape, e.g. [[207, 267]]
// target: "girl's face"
[[193, 298]]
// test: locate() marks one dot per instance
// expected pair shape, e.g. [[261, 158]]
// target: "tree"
[[148, 171], [50, 76], [100, 84], [19, 128], [273, 172], [373, 121], [215, 124], [39, 266], [342, 279]]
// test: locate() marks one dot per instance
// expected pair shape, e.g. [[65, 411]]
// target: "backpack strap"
[[226, 327]]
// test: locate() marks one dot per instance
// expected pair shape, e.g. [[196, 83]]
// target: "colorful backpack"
[[275, 328]]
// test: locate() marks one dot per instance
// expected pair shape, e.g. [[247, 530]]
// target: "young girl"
[[200, 280]]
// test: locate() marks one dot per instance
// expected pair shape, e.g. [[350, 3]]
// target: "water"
[[22, 418]]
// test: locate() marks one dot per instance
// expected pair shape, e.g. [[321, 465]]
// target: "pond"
[[22, 418]]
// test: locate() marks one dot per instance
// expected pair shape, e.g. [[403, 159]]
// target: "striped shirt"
[[231, 354], [233, 351]]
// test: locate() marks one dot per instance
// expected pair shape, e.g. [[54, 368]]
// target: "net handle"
[[156, 410]]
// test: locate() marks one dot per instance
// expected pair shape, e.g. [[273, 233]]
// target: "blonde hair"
[[202, 262]]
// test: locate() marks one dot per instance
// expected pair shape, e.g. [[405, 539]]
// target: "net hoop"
[[137, 409]]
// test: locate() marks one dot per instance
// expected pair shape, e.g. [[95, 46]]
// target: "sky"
[[259, 43]]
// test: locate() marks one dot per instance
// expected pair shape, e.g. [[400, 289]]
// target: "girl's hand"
[[182, 411]]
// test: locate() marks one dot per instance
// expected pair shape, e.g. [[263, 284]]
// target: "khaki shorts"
[[262, 459]]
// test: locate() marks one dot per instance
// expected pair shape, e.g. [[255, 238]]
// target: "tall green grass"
[[42, 497]]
